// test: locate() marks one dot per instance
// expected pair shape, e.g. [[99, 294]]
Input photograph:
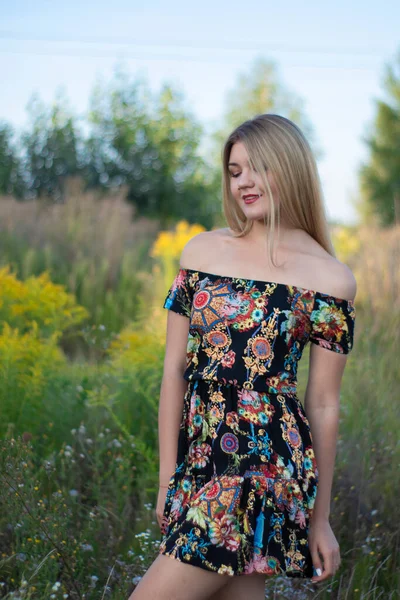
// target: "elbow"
[[173, 371], [322, 400], [175, 364]]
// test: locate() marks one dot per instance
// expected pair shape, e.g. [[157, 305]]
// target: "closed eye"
[[234, 174]]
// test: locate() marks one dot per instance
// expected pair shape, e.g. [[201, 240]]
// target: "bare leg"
[[245, 587], [170, 579]]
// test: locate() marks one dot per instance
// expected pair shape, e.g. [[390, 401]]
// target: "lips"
[[251, 198]]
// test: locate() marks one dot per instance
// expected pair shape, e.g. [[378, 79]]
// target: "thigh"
[[250, 587], [170, 579]]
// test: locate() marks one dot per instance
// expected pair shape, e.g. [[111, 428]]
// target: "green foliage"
[[346, 242], [69, 523], [149, 144], [259, 90], [82, 485], [10, 167], [380, 176], [364, 494], [79, 474], [26, 363], [51, 148], [90, 245], [33, 315], [146, 145], [37, 301]]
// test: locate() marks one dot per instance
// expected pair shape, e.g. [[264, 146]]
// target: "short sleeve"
[[333, 323], [179, 296]]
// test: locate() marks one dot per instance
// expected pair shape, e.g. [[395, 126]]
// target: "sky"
[[331, 55]]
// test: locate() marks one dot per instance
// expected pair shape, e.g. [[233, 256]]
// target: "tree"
[[11, 182], [149, 143], [51, 148], [380, 177], [260, 91]]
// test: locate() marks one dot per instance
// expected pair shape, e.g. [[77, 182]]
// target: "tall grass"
[[365, 490], [93, 245], [79, 456]]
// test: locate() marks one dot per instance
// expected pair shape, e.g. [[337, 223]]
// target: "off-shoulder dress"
[[245, 481]]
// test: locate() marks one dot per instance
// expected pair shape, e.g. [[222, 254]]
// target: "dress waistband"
[[283, 387]]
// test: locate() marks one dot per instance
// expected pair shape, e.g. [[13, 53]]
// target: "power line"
[[168, 57], [227, 45]]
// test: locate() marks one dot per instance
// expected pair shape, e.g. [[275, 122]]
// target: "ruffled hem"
[[238, 524]]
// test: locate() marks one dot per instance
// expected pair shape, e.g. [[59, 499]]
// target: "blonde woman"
[[246, 471]]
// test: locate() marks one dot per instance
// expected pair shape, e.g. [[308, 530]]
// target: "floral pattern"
[[243, 490]]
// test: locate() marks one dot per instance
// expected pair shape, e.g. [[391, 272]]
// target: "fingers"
[[327, 567], [336, 560], [164, 525], [317, 564], [162, 521], [160, 509]]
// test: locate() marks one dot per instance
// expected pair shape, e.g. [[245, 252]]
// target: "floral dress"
[[245, 480]]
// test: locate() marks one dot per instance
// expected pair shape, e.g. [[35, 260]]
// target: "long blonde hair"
[[276, 143]]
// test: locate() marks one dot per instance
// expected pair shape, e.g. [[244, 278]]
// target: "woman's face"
[[246, 182]]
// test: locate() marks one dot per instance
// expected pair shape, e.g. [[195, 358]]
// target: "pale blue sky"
[[332, 55]]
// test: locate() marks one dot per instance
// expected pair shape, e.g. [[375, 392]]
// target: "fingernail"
[[318, 572]]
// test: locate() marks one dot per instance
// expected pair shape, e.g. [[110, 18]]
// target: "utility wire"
[[168, 57], [227, 45]]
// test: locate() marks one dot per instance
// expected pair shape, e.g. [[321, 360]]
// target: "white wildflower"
[[87, 547]]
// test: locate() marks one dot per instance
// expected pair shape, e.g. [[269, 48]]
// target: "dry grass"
[[87, 225]]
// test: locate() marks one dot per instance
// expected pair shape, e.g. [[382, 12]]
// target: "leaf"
[[197, 516]]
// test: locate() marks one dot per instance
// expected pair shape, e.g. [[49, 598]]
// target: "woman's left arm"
[[332, 333], [322, 403]]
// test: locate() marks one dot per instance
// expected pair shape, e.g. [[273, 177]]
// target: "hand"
[[162, 495], [322, 543]]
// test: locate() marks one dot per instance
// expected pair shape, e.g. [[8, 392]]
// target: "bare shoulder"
[[200, 248], [343, 281], [333, 276]]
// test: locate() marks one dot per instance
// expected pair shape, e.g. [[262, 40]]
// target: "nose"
[[245, 180]]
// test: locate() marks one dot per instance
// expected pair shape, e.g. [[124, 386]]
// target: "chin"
[[256, 216]]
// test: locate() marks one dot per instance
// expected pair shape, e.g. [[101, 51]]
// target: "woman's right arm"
[[173, 388]]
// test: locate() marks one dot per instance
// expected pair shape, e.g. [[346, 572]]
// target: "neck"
[[259, 232]]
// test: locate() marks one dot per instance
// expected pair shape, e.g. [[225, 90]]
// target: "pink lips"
[[250, 199]]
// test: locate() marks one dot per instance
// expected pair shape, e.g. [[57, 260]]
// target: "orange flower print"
[[228, 359], [199, 453], [223, 532]]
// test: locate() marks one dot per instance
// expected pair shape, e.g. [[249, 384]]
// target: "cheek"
[[234, 187], [260, 185], [274, 192]]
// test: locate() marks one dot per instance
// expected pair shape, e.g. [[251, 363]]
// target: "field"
[[82, 339]]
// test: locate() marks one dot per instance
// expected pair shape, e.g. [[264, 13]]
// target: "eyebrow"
[[233, 164]]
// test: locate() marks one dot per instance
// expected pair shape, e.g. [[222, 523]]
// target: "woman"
[[240, 492]]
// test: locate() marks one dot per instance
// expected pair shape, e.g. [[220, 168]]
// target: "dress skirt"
[[242, 494]]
